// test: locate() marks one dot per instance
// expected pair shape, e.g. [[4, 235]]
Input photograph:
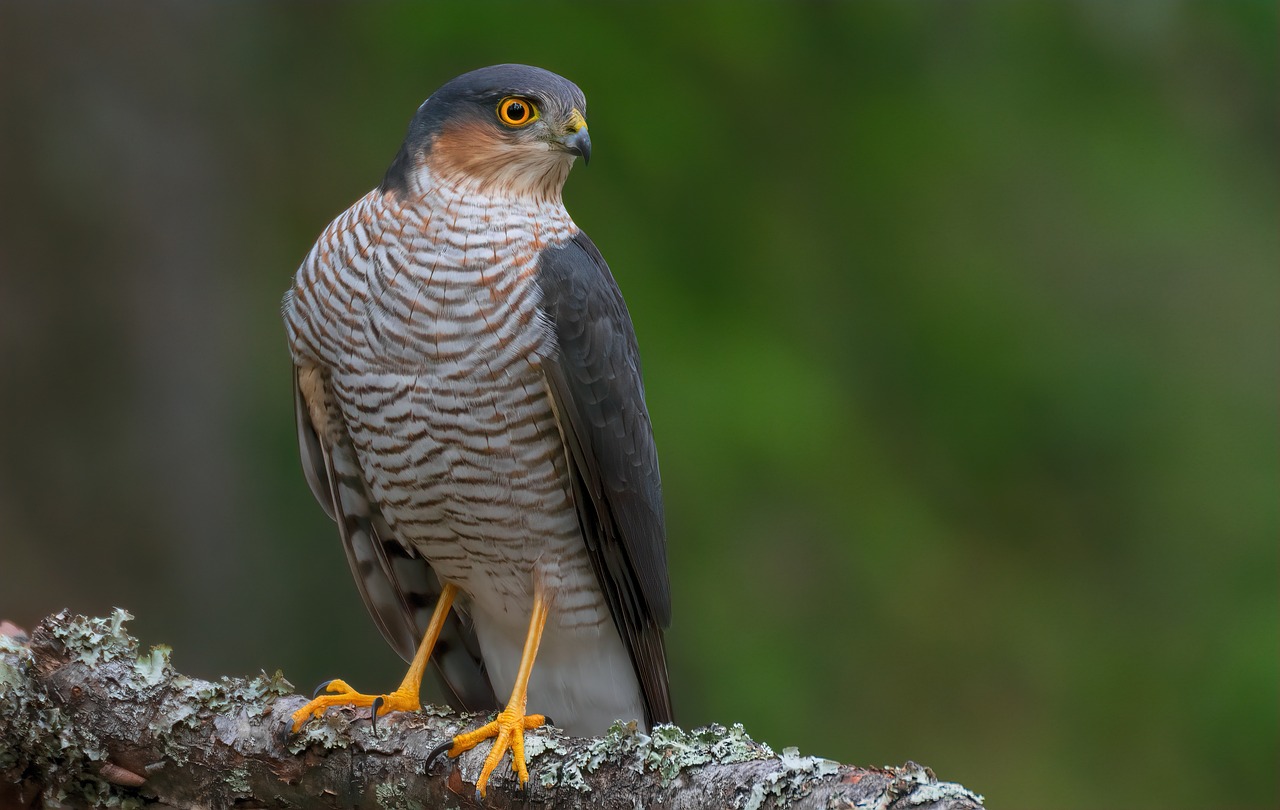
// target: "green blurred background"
[[959, 327]]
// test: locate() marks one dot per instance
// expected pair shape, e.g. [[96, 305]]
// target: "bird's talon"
[[436, 752], [373, 712], [322, 688], [338, 693], [507, 732]]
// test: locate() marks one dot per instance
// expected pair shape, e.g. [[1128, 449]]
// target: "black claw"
[[435, 752], [547, 721], [320, 689], [373, 712]]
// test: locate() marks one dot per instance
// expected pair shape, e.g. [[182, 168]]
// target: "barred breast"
[[427, 316]]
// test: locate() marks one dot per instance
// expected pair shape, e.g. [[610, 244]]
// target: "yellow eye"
[[517, 112]]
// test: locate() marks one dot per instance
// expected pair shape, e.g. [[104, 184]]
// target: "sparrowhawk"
[[470, 411]]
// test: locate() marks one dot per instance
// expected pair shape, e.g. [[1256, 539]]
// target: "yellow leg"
[[405, 698], [512, 722]]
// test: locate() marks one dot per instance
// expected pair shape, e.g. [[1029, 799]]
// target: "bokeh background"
[[959, 327]]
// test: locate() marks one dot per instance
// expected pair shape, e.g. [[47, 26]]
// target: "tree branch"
[[86, 720]]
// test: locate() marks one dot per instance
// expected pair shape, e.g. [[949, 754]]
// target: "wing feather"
[[598, 393]]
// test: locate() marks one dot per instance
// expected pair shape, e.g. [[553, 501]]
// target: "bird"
[[471, 413]]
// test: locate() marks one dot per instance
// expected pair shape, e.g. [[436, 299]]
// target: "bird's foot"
[[507, 732], [338, 693]]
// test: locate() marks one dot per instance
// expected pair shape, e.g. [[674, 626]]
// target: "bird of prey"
[[471, 413]]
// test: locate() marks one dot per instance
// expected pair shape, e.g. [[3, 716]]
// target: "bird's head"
[[506, 129]]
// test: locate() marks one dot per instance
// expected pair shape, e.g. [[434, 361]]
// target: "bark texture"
[[88, 720]]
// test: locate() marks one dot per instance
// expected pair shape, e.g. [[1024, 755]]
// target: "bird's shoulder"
[[331, 288]]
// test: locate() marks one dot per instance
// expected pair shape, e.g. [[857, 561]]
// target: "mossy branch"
[[86, 720]]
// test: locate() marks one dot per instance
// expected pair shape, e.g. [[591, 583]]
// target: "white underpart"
[[582, 680]]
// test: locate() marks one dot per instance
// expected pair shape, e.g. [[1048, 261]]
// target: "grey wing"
[[399, 588], [598, 392]]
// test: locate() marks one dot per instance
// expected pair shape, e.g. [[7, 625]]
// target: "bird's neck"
[[442, 190], [510, 176], [432, 193]]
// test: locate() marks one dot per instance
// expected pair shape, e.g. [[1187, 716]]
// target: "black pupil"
[[515, 111]]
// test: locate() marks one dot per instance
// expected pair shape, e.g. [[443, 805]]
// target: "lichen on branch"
[[87, 719]]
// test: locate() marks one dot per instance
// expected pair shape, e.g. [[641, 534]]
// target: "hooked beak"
[[576, 140], [579, 143]]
